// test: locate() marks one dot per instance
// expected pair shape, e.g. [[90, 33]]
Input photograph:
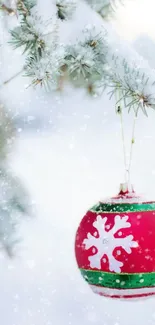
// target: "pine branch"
[[40, 42], [29, 35], [45, 70], [24, 7], [8, 10], [12, 78], [85, 59], [14, 199], [90, 62], [65, 8], [135, 84], [14, 207]]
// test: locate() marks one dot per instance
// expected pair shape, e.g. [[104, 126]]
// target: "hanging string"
[[119, 111], [126, 166], [123, 142], [132, 143]]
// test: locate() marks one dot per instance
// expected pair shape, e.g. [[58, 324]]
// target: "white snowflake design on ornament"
[[106, 242]]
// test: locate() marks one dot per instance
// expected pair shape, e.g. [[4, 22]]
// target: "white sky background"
[[136, 17]]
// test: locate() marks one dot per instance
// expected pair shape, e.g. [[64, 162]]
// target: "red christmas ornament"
[[115, 247]]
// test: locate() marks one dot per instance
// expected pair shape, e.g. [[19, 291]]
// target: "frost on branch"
[[45, 70], [30, 34], [40, 41], [85, 60], [65, 8], [131, 80], [24, 7], [92, 61]]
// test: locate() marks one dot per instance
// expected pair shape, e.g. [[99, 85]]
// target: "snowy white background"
[[69, 157]]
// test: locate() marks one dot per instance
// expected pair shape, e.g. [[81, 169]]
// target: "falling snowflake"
[[106, 242]]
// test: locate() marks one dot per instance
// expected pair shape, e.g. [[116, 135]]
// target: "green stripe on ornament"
[[122, 207], [119, 280]]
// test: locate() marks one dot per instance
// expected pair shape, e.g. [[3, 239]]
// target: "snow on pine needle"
[[31, 34], [34, 33], [45, 70], [24, 7], [96, 40], [80, 62], [95, 60], [40, 40], [65, 8], [130, 79], [115, 67], [86, 58]]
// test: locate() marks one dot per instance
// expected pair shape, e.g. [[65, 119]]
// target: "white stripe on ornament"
[[122, 292]]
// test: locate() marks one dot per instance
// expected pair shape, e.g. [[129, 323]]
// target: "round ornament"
[[115, 246]]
